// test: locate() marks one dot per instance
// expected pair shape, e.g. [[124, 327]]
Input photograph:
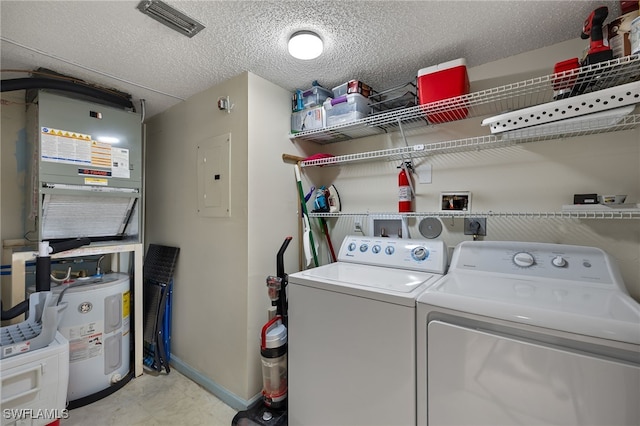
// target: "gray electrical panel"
[[85, 170]]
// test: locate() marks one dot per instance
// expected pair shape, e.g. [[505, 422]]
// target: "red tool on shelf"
[[592, 28], [567, 83]]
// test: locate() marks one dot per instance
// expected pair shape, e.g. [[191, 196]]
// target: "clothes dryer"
[[528, 334]]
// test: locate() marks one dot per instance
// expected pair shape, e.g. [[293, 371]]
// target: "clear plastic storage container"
[[308, 119], [352, 86], [346, 109], [315, 96]]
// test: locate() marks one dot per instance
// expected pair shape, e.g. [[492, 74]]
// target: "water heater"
[[97, 324], [84, 170]]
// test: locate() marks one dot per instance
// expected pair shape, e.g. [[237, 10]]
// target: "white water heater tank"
[[97, 325]]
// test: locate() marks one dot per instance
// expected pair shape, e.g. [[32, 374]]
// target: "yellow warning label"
[[126, 304], [65, 133], [96, 181]]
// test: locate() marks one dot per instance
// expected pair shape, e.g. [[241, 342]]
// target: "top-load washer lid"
[[568, 288], [394, 270], [607, 314], [373, 282]]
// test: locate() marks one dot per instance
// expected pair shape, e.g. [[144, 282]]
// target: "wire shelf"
[[581, 214], [396, 98], [509, 97], [533, 134]]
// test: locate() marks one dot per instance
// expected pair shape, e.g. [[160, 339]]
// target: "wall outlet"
[[357, 226], [475, 226]]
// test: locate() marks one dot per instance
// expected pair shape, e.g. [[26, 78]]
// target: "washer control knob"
[[351, 246], [389, 250], [559, 261], [420, 253], [376, 249], [364, 247], [524, 259]]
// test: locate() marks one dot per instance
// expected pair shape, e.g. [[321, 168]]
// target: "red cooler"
[[443, 81]]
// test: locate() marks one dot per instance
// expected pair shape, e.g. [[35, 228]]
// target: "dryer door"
[[476, 377]]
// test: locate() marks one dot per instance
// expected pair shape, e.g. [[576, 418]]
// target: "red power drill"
[[598, 51]]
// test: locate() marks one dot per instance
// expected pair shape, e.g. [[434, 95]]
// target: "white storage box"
[[34, 385], [308, 119], [346, 109]]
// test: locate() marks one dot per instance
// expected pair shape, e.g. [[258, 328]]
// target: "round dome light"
[[305, 45]]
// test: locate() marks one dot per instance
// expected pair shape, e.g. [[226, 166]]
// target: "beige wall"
[[13, 165], [220, 297], [531, 177], [273, 205]]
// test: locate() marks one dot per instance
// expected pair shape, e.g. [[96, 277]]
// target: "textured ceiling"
[[383, 43]]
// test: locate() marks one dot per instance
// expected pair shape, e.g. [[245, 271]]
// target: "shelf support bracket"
[[408, 169], [404, 138]]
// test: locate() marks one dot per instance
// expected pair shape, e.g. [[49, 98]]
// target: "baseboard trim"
[[229, 398]]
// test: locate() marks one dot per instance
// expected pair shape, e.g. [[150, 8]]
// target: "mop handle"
[[305, 213]]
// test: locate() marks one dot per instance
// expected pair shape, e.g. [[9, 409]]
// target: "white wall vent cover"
[[172, 18]]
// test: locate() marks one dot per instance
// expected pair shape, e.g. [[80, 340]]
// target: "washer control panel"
[[536, 260], [419, 255]]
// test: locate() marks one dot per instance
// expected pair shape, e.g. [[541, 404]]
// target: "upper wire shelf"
[[565, 214], [509, 97]]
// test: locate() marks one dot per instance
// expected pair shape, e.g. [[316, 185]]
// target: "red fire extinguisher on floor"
[[405, 188]]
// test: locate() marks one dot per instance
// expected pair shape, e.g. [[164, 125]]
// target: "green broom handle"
[[304, 211]]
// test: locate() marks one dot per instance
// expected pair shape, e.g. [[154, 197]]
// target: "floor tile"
[[155, 399]]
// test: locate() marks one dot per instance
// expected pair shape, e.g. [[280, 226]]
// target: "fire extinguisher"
[[405, 188]]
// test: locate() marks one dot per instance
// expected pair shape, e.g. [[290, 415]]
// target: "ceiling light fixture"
[[172, 18], [305, 45]]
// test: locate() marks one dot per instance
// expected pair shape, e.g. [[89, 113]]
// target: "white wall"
[[220, 297], [532, 177]]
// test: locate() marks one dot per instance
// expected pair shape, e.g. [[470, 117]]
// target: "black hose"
[[43, 263], [69, 244], [11, 313], [68, 86], [282, 306], [280, 257], [43, 273], [76, 284]]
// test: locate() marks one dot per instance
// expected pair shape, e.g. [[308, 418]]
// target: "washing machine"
[[528, 334], [352, 332]]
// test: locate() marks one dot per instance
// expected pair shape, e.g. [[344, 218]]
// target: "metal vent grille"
[[170, 17], [96, 215]]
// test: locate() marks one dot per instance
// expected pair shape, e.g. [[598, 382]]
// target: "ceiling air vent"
[[172, 18]]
